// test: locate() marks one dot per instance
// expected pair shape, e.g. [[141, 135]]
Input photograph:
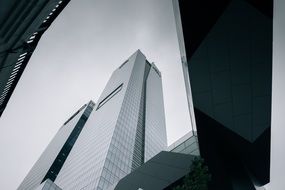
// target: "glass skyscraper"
[[125, 129], [54, 156]]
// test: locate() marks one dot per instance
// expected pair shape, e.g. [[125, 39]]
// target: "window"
[[123, 64], [105, 100]]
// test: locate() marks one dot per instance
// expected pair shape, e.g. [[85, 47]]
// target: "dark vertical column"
[[138, 156]]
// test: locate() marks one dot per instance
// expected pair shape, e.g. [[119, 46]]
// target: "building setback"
[[22, 25], [54, 156], [226, 52]]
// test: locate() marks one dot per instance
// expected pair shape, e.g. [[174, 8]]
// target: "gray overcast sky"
[[72, 64]]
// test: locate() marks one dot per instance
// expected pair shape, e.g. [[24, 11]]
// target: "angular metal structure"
[[166, 170], [158, 173], [226, 51], [22, 25]]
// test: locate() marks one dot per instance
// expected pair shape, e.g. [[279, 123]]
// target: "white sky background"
[[72, 64]]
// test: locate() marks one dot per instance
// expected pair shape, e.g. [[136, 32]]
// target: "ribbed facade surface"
[[126, 128], [22, 25], [52, 159]]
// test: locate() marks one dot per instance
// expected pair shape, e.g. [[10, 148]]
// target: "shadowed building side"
[[227, 47], [22, 25]]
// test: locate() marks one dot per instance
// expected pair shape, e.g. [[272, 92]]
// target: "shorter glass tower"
[[52, 159]]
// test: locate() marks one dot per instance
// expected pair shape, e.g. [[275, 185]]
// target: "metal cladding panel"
[[43, 164], [158, 173], [277, 166], [231, 69]]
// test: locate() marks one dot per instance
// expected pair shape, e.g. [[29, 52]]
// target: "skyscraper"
[[54, 156], [125, 129]]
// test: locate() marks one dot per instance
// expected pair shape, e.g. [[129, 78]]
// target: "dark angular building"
[[22, 25], [226, 52]]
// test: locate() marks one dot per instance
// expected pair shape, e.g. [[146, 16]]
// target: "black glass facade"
[[228, 51]]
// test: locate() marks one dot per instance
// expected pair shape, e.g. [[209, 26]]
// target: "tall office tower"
[[54, 156], [126, 128]]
